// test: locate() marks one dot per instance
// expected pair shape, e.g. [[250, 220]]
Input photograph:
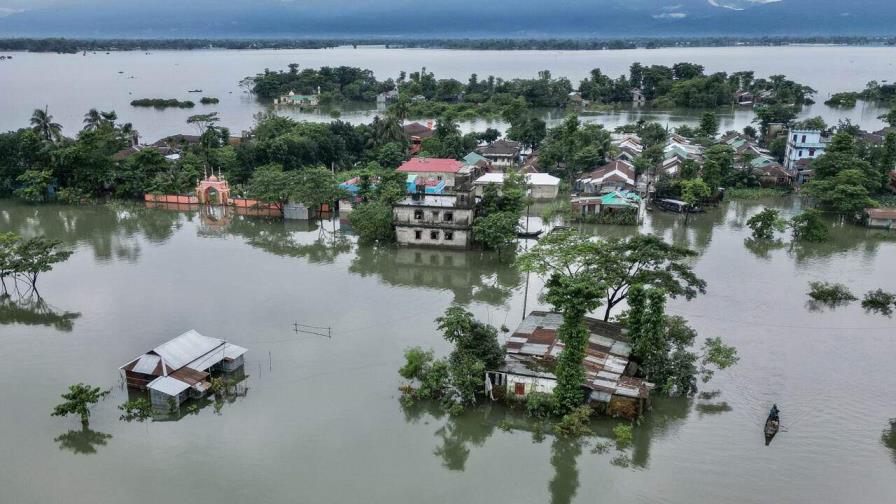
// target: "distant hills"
[[440, 18]]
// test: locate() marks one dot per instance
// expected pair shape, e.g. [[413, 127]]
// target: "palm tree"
[[400, 109], [42, 124], [93, 120]]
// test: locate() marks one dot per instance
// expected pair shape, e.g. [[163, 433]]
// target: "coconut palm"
[[93, 120], [42, 124]]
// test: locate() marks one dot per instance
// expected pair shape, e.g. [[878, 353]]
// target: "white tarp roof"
[[186, 348], [538, 179], [168, 385]]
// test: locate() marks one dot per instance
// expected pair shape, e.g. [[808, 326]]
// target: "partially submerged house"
[[434, 220], [299, 100], [180, 368], [617, 175], [532, 352], [884, 218], [610, 207]]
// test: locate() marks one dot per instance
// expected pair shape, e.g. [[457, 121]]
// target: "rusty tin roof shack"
[[532, 351]]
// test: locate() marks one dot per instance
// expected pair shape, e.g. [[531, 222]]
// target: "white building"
[[434, 220], [541, 185], [803, 145]]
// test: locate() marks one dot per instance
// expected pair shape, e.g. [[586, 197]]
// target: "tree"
[[34, 256], [273, 186], [646, 260], [78, 401], [42, 124], [35, 184], [317, 186], [203, 122], [372, 222], [574, 287], [889, 118], [694, 192], [662, 343], [809, 226], [471, 338], [765, 223], [709, 124], [497, 231]]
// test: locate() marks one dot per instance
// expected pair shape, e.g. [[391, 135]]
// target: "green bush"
[[879, 301], [623, 435], [541, 405], [575, 423], [830, 293]]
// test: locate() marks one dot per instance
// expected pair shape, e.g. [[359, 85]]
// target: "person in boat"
[[773, 414]]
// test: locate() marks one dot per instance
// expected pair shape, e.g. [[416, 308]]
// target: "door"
[[519, 388]]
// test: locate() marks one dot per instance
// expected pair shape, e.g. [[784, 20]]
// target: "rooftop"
[[501, 147], [881, 213], [430, 200], [531, 179], [431, 165], [534, 347]]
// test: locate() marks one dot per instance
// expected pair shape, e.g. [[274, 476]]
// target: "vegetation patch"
[[753, 193], [879, 301], [830, 294], [209, 100], [162, 103]]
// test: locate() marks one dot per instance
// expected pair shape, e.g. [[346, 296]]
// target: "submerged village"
[[599, 342]]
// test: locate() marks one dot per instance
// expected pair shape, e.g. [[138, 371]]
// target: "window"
[[439, 178], [801, 152], [418, 234], [449, 217], [418, 214], [804, 138], [449, 235], [811, 152], [433, 235], [794, 138]]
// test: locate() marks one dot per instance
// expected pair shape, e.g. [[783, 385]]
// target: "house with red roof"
[[439, 169]]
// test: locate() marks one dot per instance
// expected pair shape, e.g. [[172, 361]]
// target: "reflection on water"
[[33, 310], [470, 276], [565, 483], [889, 438], [82, 442], [111, 230], [293, 238]]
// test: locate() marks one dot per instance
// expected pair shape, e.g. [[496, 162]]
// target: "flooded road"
[[321, 422]]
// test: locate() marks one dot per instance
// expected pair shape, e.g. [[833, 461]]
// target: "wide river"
[[72, 84], [320, 420]]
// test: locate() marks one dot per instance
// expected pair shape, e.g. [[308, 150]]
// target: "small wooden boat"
[[529, 234], [194, 91], [772, 424]]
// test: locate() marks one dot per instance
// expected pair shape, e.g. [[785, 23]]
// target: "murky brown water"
[[321, 422]]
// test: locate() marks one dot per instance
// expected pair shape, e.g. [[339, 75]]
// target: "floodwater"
[[320, 420], [71, 84]]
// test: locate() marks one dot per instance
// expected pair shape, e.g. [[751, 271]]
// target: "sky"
[[444, 18]]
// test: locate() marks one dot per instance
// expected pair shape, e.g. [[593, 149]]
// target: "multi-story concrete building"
[[803, 145]]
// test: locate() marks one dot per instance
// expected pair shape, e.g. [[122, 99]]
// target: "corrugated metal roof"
[[167, 385], [146, 364], [186, 348], [534, 346], [232, 351]]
